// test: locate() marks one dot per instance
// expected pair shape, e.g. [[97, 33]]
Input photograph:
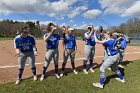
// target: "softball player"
[[52, 42], [122, 42], [25, 47], [101, 33], [111, 60], [70, 49], [89, 49], [63, 28]]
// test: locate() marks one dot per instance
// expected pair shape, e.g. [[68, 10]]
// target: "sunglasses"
[[25, 31]]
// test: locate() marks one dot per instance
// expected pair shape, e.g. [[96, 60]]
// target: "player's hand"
[[36, 53], [119, 38], [63, 28], [17, 54], [52, 30], [73, 53], [65, 53], [92, 30]]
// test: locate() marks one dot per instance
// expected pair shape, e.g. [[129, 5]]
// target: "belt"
[[53, 48], [70, 48], [91, 45], [112, 55], [26, 51], [121, 49]]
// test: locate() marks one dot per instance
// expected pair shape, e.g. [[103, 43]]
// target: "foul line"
[[12, 66]]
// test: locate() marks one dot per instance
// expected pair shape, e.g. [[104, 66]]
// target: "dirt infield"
[[9, 65]]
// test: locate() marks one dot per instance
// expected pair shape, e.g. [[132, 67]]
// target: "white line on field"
[[12, 66]]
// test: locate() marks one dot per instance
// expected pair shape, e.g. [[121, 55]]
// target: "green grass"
[[133, 44], [6, 38], [10, 38], [80, 83]]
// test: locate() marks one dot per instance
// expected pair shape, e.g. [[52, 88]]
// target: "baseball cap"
[[53, 27], [90, 26], [25, 31], [71, 29]]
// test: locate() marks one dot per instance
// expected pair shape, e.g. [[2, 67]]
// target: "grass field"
[[39, 38], [80, 83], [6, 38], [11, 38], [133, 45]]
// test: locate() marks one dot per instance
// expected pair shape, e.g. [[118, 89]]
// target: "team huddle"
[[114, 46]]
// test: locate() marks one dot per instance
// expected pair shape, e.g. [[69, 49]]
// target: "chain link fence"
[[134, 38]]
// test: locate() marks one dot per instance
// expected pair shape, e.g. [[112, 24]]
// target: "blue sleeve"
[[98, 36], [33, 41], [105, 43], [45, 35], [16, 43], [59, 37], [126, 41], [123, 44]]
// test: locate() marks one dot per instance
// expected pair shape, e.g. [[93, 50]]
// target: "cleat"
[[120, 66], [98, 85], [85, 71], [35, 78], [75, 72], [42, 78], [91, 70], [57, 76], [17, 81], [109, 68], [123, 81], [61, 75]]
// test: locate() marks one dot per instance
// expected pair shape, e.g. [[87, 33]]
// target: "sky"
[[74, 13]]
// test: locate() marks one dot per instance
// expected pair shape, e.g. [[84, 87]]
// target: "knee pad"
[[102, 69], [21, 68], [91, 61], [33, 68]]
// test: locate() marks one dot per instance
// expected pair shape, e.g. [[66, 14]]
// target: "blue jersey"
[[110, 47], [70, 42], [24, 44], [91, 40], [53, 41], [123, 42]]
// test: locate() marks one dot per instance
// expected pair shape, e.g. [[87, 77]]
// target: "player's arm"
[[119, 38], [64, 48], [49, 34], [35, 50], [75, 48], [96, 39], [47, 38], [34, 46], [17, 48], [90, 34], [17, 52]]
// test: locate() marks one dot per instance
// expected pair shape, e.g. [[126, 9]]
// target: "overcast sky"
[[75, 13]]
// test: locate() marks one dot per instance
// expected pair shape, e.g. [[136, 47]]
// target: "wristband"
[[34, 49]]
